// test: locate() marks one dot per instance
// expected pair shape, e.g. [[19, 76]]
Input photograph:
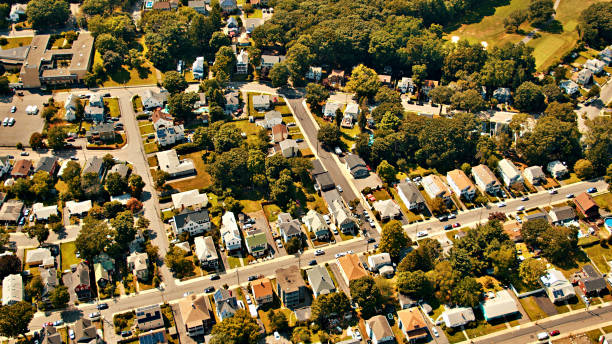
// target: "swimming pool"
[[608, 223], [149, 4]]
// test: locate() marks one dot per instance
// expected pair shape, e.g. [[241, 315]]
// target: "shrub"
[[142, 116], [188, 147]]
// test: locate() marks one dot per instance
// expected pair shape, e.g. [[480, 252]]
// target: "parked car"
[[421, 234], [435, 332], [501, 204], [448, 227], [341, 254], [74, 158], [24, 154], [554, 332], [339, 188], [312, 262], [102, 306], [444, 218], [455, 225], [327, 219], [5, 121], [187, 293], [552, 191], [94, 316], [299, 140], [525, 199], [452, 216], [214, 277], [126, 333], [71, 333], [276, 335], [569, 196], [542, 336], [319, 252], [13, 109], [338, 151], [372, 223], [58, 323], [592, 190], [209, 289], [520, 208], [279, 243], [371, 240], [252, 278]]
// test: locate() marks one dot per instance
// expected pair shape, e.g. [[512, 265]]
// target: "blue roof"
[[161, 133], [152, 338]]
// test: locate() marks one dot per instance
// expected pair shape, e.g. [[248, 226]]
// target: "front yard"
[[112, 104]]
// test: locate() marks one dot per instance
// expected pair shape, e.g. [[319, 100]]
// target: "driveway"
[[544, 303], [338, 275]]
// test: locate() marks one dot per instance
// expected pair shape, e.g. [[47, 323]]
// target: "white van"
[[542, 336]]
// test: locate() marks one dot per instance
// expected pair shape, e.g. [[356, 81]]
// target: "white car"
[[435, 331], [569, 196], [356, 334], [71, 333], [341, 254], [452, 216], [279, 243], [276, 335], [327, 219], [338, 150], [421, 234], [520, 208], [501, 204], [5, 121], [319, 252], [339, 188], [11, 121]]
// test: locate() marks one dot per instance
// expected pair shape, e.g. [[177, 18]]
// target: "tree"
[[160, 178], [112, 61], [94, 238], [238, 329], [225, 61], [56, 138], [540, 11], [386, 171], [218, 40], [174, 82], [15, 319], [35, 287], [608, 177], [108, 160], [136, 185], [316, 94], [441, 94], [414, 284], [584, 169], [514, 20], [529, 97], [115, 184], [562, 111], [393, 239], [558, 243], [530, 271], [437, 205], [41, 185], [181, 104], [44, 14], [550, 139], [326, 306], [90, 185], [531, 230], [593, 91], [278, 320], [232, 204], [300, 334], [38, 231], [59, 297], [293, 245], [329, 135], [419, 73], [177, 263], [364, 82], [36, 141], [365, 292], [595, 25], [9, 264], [469, 100], [468, 292], [424, 258], [279, 74], [123, 224]]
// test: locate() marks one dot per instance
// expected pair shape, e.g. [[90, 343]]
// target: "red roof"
[[585, 204], [21, 168], [158, 114]]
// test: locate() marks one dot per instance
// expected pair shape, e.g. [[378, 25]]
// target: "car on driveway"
[[13, 109], [448, 227], [71, 333], [421, 234]]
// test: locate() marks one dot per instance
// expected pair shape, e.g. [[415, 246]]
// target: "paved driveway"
[[544, 303]]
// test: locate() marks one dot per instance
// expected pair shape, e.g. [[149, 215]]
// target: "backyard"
[[201, 180], [112, 104], [68, 252]]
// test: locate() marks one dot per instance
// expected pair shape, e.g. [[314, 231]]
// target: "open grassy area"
[[68, 252], [604, 201], [573, 178], [531, 307], [126, 76], [112, 104], [14, 42], [201, 180], [600, 255], [146, 129], [456, 336], [150, 147], [234, 262], [271, 211]]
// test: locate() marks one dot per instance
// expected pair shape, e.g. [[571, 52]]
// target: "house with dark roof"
[[320, 281], [225, 303], [410, 195], [84, 331], [289, 228], [290, 286], [48, 164], [50, 335], [317, 168], [11, 211], [356, 166], [122, 169], [94, 165], [101, 133], [592, 282], [585, 205], [324, 181], [192, 221], [21, 169], [80, 282], [536, 216], [561, 215], [149, 317], [49, 282], [153, 337]]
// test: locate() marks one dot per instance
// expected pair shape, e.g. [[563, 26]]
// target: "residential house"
[[536, 216], [406, 301], [569, 86], [347, 122], [289, 228], [149, 317], [193, 221], [42, 213], [122, 169], [336, 78], [21, 169], [317, 168], [195, 312], [262, 291], [261, 102], [48, 164], [584, 77], [138, 263], [435, 187], [596, 66], [169, 162], [80, 282], [534, 175], [387, 209], [152, 100], [606, 55], [251, 23], [18, 11], [406, 85], [101, 133], [502, 95], [256, 243], [461, 184], [377, 261], [411, 196], [12, 289], [50, 335], [279, 133], [101, 275], [197, 68], [94, 110], [510, 174], [290, 286], [342, 216], [5, 165], [585, 204], [412, 324], [85, 331], [161, 6], [561, 215], [314, 73], [11, 211], [500, 304], [289, 148], [351, 268], [242, 62], [232, 102], [316, 224], [267, 61], [557, 287], [232, 23], [191, 198], [592, 282], [40, 256], [225, 303], [379, 331], [78, 208], [324, 181], [161, 119], [356, 165], [94, 165], [198, 5], [230, 234], [485, 179], [271, 119], [557, 169], [329, 111], [429, 85], [352, 111], [49, 281], [384, 79], [170, 135], [458, 316], [228, 6], [320, 281]]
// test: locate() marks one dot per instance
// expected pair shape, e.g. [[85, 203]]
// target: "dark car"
[[126, 333], [444, 218], [214, 277], [209, 289], [447, 227], [102, 306], [371, 240], [592, 190], [312, 262], [252, 278]]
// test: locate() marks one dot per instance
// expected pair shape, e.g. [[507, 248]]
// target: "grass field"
[[126, 76], [604, 200], [113, 107], [600, 256], [14, 42], [146, 129], [68, 251]]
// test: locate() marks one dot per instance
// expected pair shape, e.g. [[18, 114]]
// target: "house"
[[267, 61], [271, 119], [242, 62], [387, 209], [40, 256], [502, 95], [406, 301], [197, 68], [279, 133], [406, 85], [352, 111], [94, 165], [149, 317], [50, 335], [161, 6], [170, 135], [84, 331], [232, 23], [138, 263], [377, 261], [356, 165], [606, 55], [5, 165], [379, 331], [122, 169], [584, 77], [94, 110], [191, 198], [485, 179], [195, 312], [317, 168], [342, 216], [534, 175], [21, 169], [48, 164], [557, 169], [592, 282], [225, 303], [251, 23], [410, 195], [161, 119], [42, 213], [569, 86], [18, 11], [320, 281], [412, 324], [232, 102], [536, 216], [384, 79], [314, 73], [351, 268], [101, 132], [510, 174], [500, 304], [458, 316], [316, 224], [336, 78], [596, 66], [289, 148], [11, 211], [261, 102], [12, 289], [101, 275], [561, 215], [153, 100], [262, 291], [256, 243], [169, 162], [557, 287], [198, 5], [289, 228], [230, 234], [461, 184], [290, 286], [325, 182], [49, 281], [193, 221], [80, 282], [429, 85], [435, 187], [78, 208], [329, 111], [228, 6], [585, 204]]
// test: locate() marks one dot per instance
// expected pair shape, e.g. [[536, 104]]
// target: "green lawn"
[[272, 211], [531, 307], [256, 14], [483, 328], [68, 252], [381, 195], [127, 76], [201, 180], [234, 262], [137, 103], [113, 107], [604, 201], [151, 147], [412, 217], [146, 129], [14, 42], [600, 256], [573, 178]]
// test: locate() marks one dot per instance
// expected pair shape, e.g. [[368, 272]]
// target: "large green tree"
[[394, 239], [46, 14], [174, 82], [596, 24], [15, 319], [367, 295], [550, 139], [363, 81], [329, 135], [238, 329]]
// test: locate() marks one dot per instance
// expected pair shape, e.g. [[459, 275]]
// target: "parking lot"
[[25, 124]]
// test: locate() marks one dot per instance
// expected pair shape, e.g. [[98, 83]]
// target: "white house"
[[161, 119], [138, 263], [459, 316], [584, 76], [267, 61], [261, 102], [206, 252], [557, 287], [387, 209], [379, 331], [197, 69], [557, 169], [289, 148], [70, 107], [330, 109], [410, 195], [18, 11], [510, 174], [569, 86], [352, 110], [230, 234], [435, 187], [170, 135], [596, 66], [314, 73], [42, 213], [189, 198], [152, 100], [194, 222], [406, 85], [377, 261], [315, 223], [78, 208], [271, 118], [485, 179], [534, 175], [12, 289], [242, 62], [169, 162], [461, 184]]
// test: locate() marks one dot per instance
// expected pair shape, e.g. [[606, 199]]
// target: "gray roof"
[[46, 164], [80, 275], [290, 228], [324, 179], [320, 280], [122, 169], [84, 330], [458, 316], [317, 168], [536, 216], [51, 335], [93, 165], [199, 216], [16, 54], [354, 160], [411, 192], [102, 128], [563, 213]]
